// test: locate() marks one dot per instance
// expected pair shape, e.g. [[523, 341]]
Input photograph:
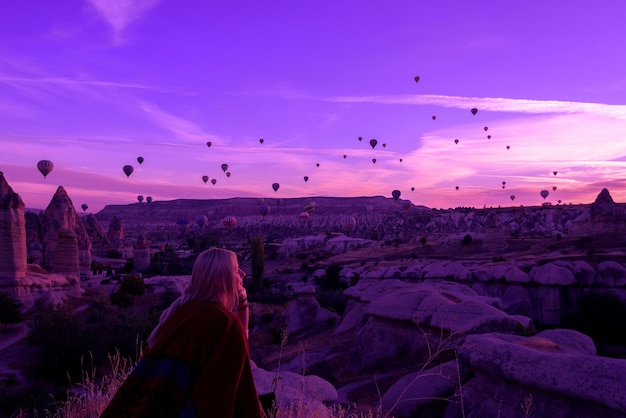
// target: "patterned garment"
[[199, 367]]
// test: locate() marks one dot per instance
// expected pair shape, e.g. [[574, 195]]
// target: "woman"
[[197, 362]]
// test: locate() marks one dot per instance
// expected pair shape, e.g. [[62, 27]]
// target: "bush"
[[467, 240], [257, 253], [113, 254], [331, 280]]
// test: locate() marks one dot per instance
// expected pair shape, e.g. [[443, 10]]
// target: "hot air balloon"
[[310, 207], [84, 206], [554, 188], [544, 193], [128, 170], [416, 78], [149, 199], [344, 156], [485, 128], [213, 181], [396, 194], [228, 174], [306, 178], [555, 172], [140, 160], [360, 138], [400, 159], [229, 222], [224, 167], [374, 160], [304, 216], [275, 186], [373, 143], [488, 136], [434, 117], [508, 147], [405, 204], [474, 111], [384, 145], [261, 140], [456, 141], [456, 187], [264, 209], [512, 197], [205, 179], [45, 167], [317, 164], [201, 220], [140, 198], [348, 223], [412, 189], [208, 144]]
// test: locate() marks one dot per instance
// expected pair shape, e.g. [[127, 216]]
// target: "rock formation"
[[60, 215], [100, 243], [12, 236], [142, 254]]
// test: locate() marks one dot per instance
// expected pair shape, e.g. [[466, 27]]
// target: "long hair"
[[213, 278]]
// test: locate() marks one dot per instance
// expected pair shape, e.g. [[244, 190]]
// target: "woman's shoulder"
[[207, 311]]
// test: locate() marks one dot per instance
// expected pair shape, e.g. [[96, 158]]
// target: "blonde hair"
[[213, 278]]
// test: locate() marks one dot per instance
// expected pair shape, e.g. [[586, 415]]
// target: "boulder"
[[516, 275], [584, 273], [553, 274], [305, 316], [414, 394], [611, 273], [308, 392], [557, 365]]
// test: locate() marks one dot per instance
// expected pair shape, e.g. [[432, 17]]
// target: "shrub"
[[257, 254], [467, 240], [113, 254]]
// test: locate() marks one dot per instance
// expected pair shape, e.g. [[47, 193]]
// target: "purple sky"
[[93, 84]]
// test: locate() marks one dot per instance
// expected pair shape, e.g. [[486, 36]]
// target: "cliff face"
[[61, 215], [12, 236]]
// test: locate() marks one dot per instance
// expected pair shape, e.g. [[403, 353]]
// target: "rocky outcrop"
[[12, 236], [65, 257], [142, 254], [553, 373], [118, 239], [60, 215], [100, 243], [304, 315]]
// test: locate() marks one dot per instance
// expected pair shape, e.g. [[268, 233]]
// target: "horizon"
[[92, 85]]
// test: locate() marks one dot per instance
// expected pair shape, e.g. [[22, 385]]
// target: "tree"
[[133, 285], [10, 310], [257, 254]]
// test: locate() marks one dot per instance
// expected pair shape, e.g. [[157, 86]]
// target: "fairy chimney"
[[142, 253], [65, 257], [116, 230], [59, 215], [12, 236]]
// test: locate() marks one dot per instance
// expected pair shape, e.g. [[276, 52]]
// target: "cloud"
[[120, 13], [182, 128], [494, 104]]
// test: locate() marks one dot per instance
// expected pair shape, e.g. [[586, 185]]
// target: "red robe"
[[198, 367]]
